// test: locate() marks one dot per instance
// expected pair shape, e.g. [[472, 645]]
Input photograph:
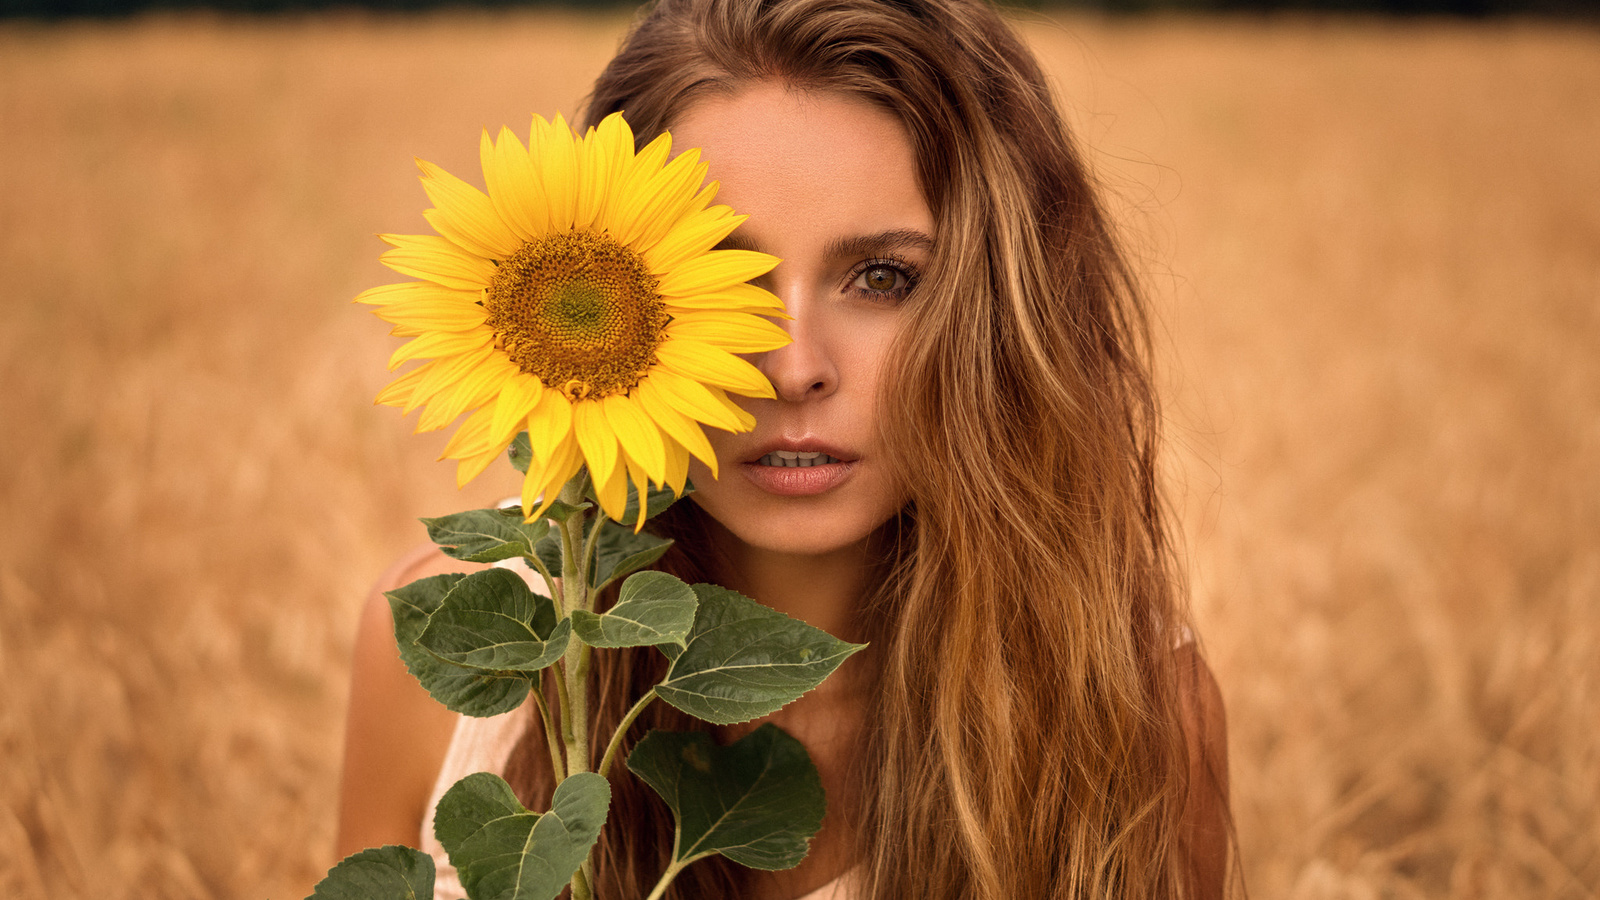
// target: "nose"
[[804, 369]]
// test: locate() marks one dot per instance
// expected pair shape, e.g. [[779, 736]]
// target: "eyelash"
[[903, 267]]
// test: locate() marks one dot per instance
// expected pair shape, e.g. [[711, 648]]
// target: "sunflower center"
[[579, 311]]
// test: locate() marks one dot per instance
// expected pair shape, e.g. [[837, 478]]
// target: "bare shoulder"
[[396, 735], [1206, 822]]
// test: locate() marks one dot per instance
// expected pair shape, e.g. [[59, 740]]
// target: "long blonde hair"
[[1026, 738]]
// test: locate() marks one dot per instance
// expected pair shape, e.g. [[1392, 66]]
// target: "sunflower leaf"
[[379, 873], [758, 801], [486, 535], [520, 452], [621, 552], [548, 551], [491, 622], [652, 608], [502, 850], [744, 660], [463, 690]]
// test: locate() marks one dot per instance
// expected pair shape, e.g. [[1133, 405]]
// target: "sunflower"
[[579, 299]]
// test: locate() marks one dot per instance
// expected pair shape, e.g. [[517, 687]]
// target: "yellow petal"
[[596, 439], [637, 476], [549, 424], [465, 214], [475, 388], [543, 483], [444, 372], [730, 331], [398, 392], [690, 236], [471, 439], [473, 466], [745, 420], [447, 314], [605, 155], [678, 466], [438, 260], [443, 343], [671, 200], [638, 435], [710, 365], [385, 294], [613, 492], [714, 271], [681, 430], [743, 297], [639, 184], [521, 393], [698, 402], [556, 159], [514, 185]]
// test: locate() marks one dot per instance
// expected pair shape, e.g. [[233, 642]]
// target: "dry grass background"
[[1376, 251]]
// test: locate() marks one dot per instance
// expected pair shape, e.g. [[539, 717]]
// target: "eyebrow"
[[857, 245]]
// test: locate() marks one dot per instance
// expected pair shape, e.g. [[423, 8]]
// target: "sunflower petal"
[[514, 185], [447, 314], [542, 486], [690, 236], [442, 343], [743, 297], [549, 424], [516, 402], [398, 392], [730, 331], [438, 260], [711, 365], [606, 151], [637, 475], [713, 271], [638, 185], [698, 402], [405, 291], [556, 159], [465, 214], [638, 435], [595, 437], [678, 466], [613, 492], [680, 429]]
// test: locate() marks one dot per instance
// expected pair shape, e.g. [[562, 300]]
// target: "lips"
[[798, 468]]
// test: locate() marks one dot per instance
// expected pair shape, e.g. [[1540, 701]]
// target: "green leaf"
[[758, 801], [744, 660], [490, 621], [504, 852], [379, 873], [656, 501], [652, 608], [549, 552], [463, 690], [486, 535], [620, 552], [520, 452]]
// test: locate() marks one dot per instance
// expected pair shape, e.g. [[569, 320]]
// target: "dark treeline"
[[1574, 9]]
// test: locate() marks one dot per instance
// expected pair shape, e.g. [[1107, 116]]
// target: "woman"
[[959, 467]]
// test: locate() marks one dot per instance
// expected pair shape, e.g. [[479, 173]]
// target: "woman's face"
[[829, 184]]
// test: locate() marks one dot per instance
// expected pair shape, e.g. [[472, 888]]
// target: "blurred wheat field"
[[1375, 251]]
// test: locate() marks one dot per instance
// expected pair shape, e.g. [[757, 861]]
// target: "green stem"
[[660, 890], [552, 741], [622, 729]]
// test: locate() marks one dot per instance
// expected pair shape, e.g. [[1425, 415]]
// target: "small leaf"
[[504, 852], [744, 660], [758, 801], [463, 690], [379, 873], [486, 535], [490, 621], [520, 452], [652, 608], [621, 552]]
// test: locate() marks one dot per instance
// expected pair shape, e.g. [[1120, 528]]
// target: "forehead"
[[814, 157]]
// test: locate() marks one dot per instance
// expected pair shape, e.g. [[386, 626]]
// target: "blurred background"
[[1374, 247]]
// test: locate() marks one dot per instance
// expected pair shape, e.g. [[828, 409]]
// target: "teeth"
[[796, 459]]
